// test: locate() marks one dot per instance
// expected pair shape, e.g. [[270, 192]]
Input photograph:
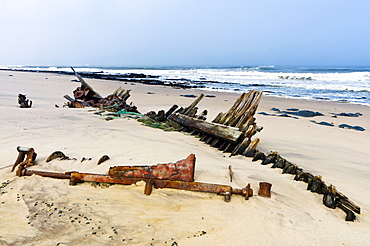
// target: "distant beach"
[[341, 84], [304, 129]]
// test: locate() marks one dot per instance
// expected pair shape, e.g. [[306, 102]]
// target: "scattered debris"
[[23, 101], [57, 154], [103, 159]]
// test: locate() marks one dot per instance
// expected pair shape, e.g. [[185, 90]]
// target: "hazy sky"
[[186, 32]]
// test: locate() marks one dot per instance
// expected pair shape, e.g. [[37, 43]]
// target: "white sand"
[[45, 211]]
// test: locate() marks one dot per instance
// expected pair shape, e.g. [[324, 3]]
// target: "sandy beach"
[[44, 211]]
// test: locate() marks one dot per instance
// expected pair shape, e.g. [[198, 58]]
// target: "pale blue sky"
[[187, 32]]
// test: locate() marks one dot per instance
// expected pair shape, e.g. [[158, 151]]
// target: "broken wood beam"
[[193, 104], [86, 85], [227, 133]]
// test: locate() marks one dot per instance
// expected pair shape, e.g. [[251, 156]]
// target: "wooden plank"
[[220, 131], [83, 82]]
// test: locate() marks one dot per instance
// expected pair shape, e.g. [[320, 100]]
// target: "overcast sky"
[[186, 32]]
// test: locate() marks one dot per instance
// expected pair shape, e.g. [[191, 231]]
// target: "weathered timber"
[[272, 157], [251, 149], [231, 173], [171, 110], [344, 201], [258, 156], [222, 118], [86, 85], [193, 104], [241, 147], [221, 131]]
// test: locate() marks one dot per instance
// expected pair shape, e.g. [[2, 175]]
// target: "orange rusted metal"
[[182, 170], [24, 152], [224, 190], [179, 175], [265, 189]]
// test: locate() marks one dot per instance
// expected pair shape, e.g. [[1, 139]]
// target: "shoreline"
[[154, 80], [339, 155]]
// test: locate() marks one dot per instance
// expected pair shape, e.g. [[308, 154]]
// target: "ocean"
[[344, 84]]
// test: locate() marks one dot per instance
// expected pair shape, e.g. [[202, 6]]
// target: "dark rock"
[[349, 114], [322, 123], [292, 109], [264, 113], [192, 96], [305, 113], [357, 128]]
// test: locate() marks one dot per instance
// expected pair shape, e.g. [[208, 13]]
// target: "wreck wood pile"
[[86, 96], [230, 131]]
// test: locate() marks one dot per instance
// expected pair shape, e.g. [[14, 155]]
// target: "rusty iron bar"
[[224, 190], [26, 172], [75, 178]]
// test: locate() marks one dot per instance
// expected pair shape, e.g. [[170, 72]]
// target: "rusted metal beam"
[[224, 190], [75, 178], [26, 172], [182, 170]]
